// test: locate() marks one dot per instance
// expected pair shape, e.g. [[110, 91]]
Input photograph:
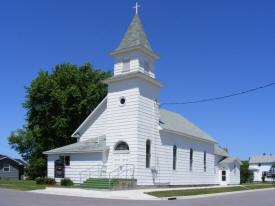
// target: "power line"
[[221, 97]]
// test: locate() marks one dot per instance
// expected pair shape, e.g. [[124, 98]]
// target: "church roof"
[[219, 151], [174, 122], [134, 36], [262, 159], [88, 146]]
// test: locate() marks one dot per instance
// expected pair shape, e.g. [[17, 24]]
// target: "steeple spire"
[[134, 36]]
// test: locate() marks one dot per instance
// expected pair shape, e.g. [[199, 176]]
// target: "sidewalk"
[[137, 194]]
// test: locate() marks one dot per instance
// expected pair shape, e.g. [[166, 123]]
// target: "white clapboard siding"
[[122, 120], [234, 174], [81, 165], [97, 125]]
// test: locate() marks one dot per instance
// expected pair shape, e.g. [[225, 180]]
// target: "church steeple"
[[134, 36], [134, 52]]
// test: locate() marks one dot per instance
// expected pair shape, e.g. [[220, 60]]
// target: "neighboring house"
[[128, 136], [261, 165], [11, 168]]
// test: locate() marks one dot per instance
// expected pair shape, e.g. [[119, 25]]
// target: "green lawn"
[[20, 185], [188, 192]]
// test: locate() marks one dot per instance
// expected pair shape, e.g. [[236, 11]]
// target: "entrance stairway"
[[99, 183], [103, 183]]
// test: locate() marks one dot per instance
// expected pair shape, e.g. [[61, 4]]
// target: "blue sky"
[[207, 48]]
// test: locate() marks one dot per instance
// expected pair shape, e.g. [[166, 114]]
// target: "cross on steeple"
[[136, 7]]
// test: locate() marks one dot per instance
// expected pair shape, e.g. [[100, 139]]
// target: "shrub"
[[66, 182], [44, 181]]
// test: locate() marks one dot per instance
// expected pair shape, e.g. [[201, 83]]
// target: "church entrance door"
[[120, 165]]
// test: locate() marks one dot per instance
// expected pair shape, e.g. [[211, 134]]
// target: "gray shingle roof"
[[229, 160], [175, 122], [262, 159], [87, 146], [219, 151], [134, 36]]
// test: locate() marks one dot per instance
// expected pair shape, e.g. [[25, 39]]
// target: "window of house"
[[67, 160], [174, 157], [191, 159], [6, 168], [259, 164], [121, 146], [204, 161], [126, 65], [234, 169], [148, 153]]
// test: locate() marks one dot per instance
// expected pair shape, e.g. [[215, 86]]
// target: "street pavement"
[[21, 198]]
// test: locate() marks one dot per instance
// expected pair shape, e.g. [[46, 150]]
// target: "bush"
[[66, 182], [44, 181]]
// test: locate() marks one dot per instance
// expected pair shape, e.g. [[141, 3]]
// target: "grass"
[[20, 185], [188, 192]]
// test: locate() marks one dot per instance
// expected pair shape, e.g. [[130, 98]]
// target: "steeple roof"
[[134, 36]]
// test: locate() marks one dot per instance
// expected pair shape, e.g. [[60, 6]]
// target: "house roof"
[[230, 160], [219, 151], [134, 36], [88, 146], [262, 159], [173, 122], [18, 161]]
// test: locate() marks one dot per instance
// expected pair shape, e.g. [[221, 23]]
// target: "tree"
[[246, 174], [56, 104]]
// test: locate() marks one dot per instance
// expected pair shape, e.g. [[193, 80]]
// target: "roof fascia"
[[132, 75]]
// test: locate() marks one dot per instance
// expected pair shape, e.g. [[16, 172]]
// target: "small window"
[[234, 169], [174, 157], [122, 100], [259, 164], [6, 168], [148, 153], [126, 65], [122, 146], [67, 160], [191, 160], [204, 161], [146, 66]]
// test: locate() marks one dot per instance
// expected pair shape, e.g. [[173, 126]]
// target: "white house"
[[129, 136], [261, 165]]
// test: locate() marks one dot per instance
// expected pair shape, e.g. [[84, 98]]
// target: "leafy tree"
[[56, 103], [246, 174]]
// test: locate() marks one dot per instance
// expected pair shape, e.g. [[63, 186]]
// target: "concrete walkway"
[[138, 194]]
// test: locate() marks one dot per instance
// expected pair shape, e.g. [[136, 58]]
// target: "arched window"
[[121, 146], [204, 161], [148, 153], [191, 159], [174, 157]]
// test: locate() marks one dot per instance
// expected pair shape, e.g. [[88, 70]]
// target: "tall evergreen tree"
[[56, 103]]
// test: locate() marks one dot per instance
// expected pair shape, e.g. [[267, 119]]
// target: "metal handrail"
[[121, 169], [89, 171]]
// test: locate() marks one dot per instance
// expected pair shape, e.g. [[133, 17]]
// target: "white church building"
[[129, 136]]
